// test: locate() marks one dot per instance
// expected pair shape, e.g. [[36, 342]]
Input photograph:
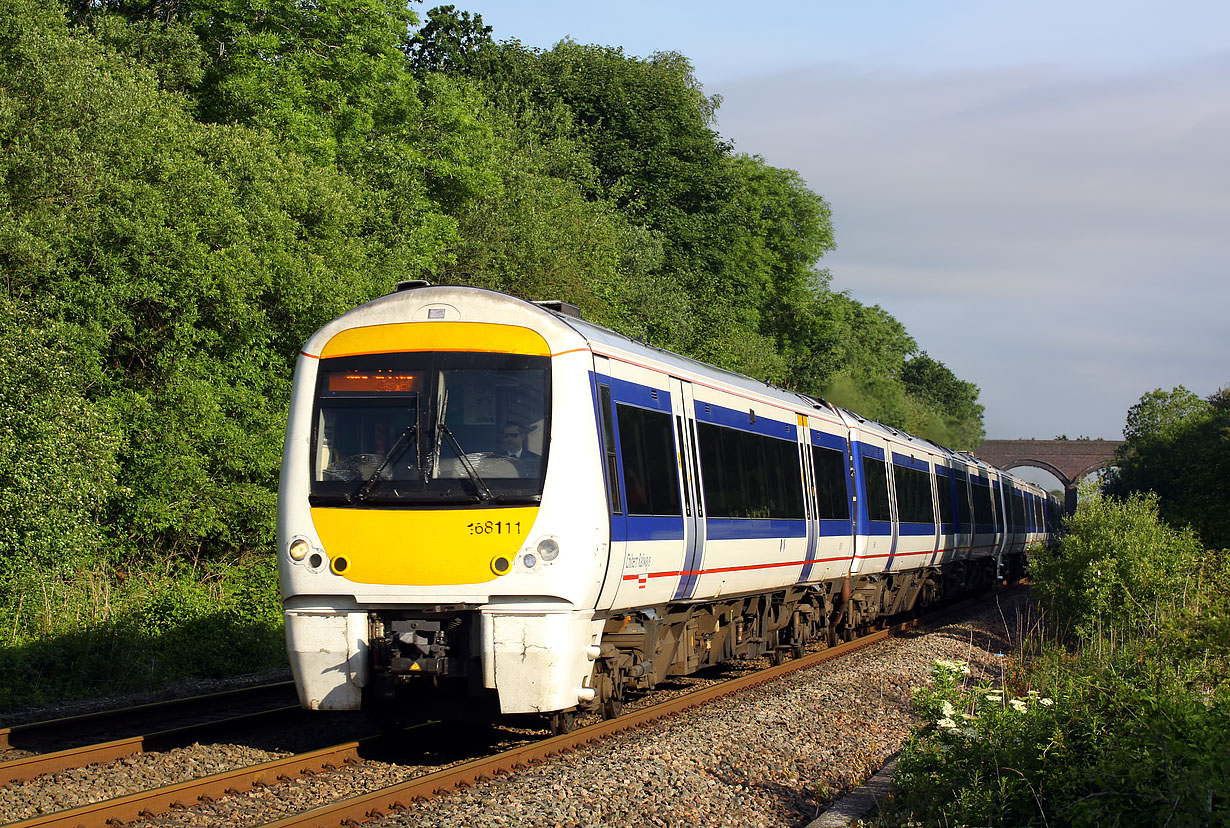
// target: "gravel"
[[774, 755]]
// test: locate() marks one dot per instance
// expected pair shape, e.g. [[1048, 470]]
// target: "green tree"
[[186, 262], [449, 41], [57, 447], [1159, 414], [950, 402], [1178, 446]]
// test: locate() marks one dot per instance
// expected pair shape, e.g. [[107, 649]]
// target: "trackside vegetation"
[[1115, 710], [188, 189]]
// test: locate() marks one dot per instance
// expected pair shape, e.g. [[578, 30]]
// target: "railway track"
[[29, 767], [390, 799], [55, 734]]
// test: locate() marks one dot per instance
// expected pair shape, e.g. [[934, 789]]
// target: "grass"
[[102, 630]]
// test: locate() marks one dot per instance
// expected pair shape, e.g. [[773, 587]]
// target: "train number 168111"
[[494, 527]]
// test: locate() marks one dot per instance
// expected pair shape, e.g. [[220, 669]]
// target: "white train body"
[[663, 514]]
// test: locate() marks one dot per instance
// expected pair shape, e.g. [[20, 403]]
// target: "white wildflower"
[[959, 667], [948, 710], [1018, 705], [1045, 702], [995, 696], [946, 723]]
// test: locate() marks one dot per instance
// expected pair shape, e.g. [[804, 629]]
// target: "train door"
[[809, 496], [648, 457], [617, 538], [684, 408], [939, 479], [875, 540]]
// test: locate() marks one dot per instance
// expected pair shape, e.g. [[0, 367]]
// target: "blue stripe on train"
[[732, 418], [754, 528], [654, 528]]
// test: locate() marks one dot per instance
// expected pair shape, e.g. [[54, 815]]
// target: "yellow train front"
[[442, 528]]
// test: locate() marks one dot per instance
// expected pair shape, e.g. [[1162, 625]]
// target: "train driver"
[[512, 437]]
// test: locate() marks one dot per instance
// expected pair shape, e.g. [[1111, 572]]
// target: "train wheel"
[[613, 707], [565, 721]]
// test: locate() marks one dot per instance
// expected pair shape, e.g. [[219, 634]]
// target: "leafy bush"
[[974, 760], [1117, 570], [1134, 665], [101, 631], [1106, 744], [57, 448]]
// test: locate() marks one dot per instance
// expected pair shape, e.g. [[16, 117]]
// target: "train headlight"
[[529, 560], [548, 548], [299, 549]]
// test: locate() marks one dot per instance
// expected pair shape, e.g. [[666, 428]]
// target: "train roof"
[[606, 341]]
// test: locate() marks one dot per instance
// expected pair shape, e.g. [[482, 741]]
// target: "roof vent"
[[412, 284], [562, 308]]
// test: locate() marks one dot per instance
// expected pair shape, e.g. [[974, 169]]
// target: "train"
[[490, 506]]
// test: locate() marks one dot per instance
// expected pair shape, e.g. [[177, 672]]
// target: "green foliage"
[[1117, 569], [1159, 414], [57, 448], [1105, 742], [878, 372], [1135, 659], [103, 631], [1178, 446], [449, 41], [187, 262], [168, 47], [981, 756]]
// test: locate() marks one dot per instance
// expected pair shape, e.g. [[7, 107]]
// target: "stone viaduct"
[[1068, 460]]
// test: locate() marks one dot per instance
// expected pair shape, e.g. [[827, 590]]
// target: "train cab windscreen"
[[430, 428]]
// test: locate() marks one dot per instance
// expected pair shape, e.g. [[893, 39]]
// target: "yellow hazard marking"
[[424, 547], [397, 337]]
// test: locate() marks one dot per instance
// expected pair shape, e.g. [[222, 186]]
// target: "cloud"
[[1005, 212]]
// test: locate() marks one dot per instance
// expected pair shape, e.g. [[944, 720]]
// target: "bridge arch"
[[1070, 461]]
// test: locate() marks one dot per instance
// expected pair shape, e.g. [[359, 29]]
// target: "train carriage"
[[490, 505]]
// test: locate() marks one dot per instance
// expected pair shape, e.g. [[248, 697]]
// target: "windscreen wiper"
[[395, 452], [484, 493]]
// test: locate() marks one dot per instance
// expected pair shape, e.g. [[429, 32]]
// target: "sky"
[[1039, 192]]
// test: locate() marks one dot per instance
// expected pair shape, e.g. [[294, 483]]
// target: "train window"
[[700, 500], [430, 428], [647, 448], [914, 503], [831, 476], [984, 511], [683, 466], [750, 475], [875, 477], [943, 490], [1018, 511], [608, 448], [960, 500]]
